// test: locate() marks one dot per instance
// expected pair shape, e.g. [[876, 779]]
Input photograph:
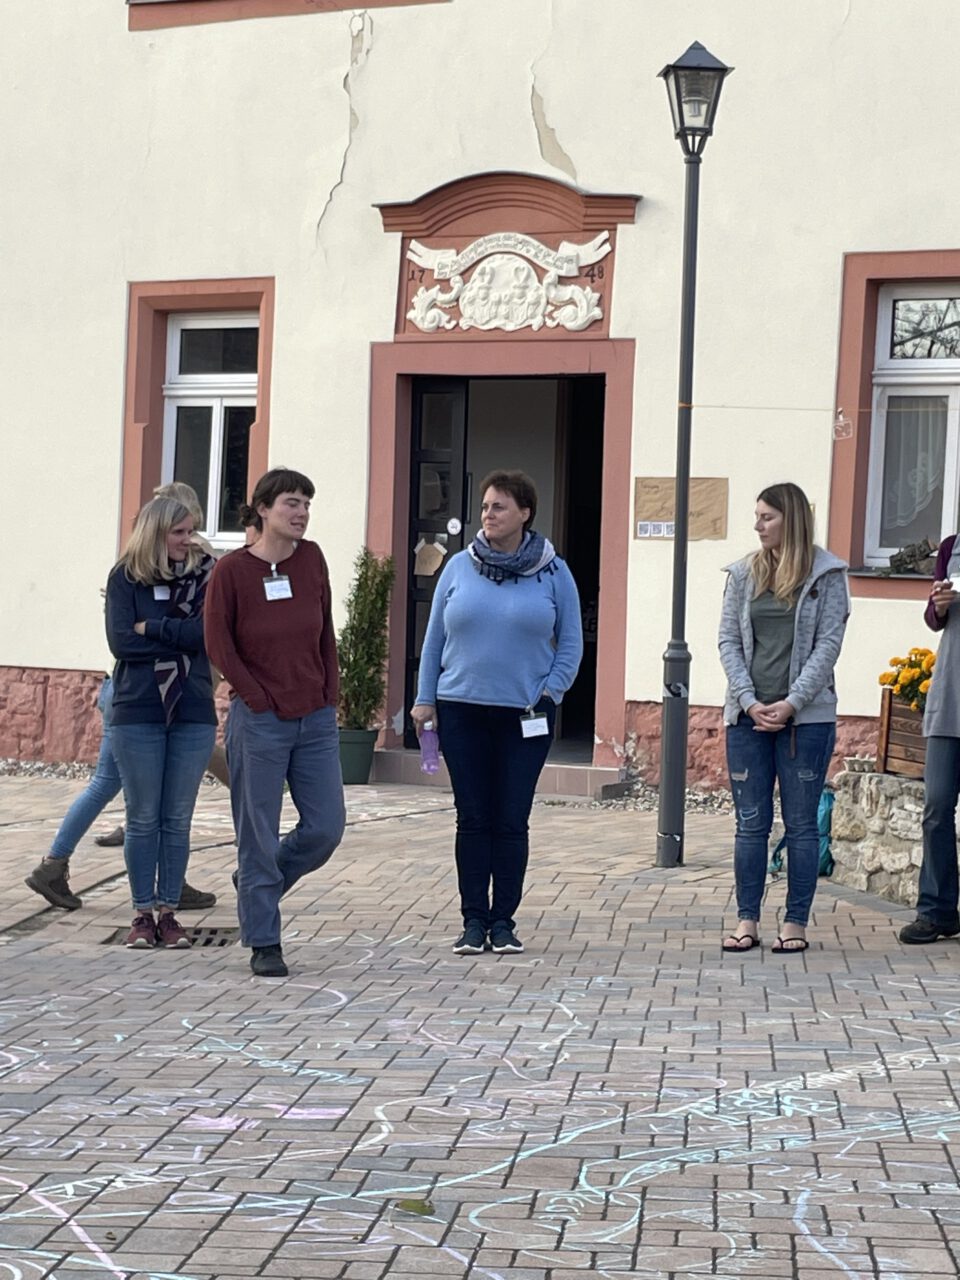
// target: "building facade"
[[394, 246]]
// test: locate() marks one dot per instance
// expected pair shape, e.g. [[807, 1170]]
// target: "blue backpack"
[[824, 823]]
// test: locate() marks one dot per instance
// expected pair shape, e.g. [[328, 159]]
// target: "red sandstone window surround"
[[146, 407], [149, 15], [870, 282]]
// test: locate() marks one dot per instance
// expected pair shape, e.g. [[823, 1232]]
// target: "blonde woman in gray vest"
[[939, 889], [785, 611]]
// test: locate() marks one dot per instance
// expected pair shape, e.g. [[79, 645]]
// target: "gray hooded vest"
[[823, 607]]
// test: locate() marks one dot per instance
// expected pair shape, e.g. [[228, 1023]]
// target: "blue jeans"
[[102, 788], [939, 888], [161, 768], [797, 758], [263, 752], [494, 772]]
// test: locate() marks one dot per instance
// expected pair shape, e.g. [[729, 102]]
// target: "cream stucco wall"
[[259, 148]]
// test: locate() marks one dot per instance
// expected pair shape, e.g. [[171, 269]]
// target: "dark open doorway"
[[551, 428]]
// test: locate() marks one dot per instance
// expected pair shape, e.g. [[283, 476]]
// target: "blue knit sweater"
[[501, 644]]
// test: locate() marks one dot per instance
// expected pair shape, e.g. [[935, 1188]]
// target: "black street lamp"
[[693, 84]]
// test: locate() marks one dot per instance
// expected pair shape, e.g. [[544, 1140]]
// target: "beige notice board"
[[653, 507]]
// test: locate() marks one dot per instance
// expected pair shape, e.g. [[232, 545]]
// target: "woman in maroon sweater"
[[268, 628], [938, 890]]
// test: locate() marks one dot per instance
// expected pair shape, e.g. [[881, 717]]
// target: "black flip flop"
[[753, 942], [780, 948]]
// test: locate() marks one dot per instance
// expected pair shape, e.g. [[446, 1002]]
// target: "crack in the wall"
[[361, 42]]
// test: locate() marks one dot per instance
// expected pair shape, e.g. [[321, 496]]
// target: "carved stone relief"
[[504, 290]]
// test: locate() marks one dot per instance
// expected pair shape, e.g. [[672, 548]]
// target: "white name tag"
[[161, 593], [534, 726], [278, 588]]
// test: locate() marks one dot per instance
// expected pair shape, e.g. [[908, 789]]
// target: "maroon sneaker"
[[143, 934], [172, 934]]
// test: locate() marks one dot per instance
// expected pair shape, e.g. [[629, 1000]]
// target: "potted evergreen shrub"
[[362, 649]]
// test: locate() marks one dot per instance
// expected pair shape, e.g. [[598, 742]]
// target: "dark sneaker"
[[504, 939], [267, 962], [924, 930], [170, 933], [49, 879], [143, 934], [472, 941], [195, 899], [113, 839]]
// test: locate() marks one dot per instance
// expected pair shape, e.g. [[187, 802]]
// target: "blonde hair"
[[186, 495], [145, 559], [785, 570]]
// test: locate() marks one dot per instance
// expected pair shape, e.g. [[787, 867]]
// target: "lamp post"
[[693, 84]]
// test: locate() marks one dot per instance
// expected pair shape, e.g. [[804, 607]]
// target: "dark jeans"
[[938, 890], [494, 772], [797, 758], [263, 752]]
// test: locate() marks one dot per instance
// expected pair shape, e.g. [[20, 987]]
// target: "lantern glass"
[[693, 89]]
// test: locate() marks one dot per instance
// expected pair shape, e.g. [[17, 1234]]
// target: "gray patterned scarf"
[[186, 600], [535, 555]]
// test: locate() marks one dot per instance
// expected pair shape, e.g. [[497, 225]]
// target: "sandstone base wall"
[[706, 754], [52, 715]]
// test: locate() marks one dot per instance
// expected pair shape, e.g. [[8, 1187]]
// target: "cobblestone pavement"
[[619, 1100]]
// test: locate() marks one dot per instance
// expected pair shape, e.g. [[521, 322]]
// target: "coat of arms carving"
[[507, 281]]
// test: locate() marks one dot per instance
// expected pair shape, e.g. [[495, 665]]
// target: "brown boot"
[[192, 899], [113, 839], [50, 879]]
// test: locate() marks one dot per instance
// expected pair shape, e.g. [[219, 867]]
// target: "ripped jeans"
[[797, 758]]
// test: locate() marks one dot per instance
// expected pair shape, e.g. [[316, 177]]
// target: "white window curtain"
[[913, 470]]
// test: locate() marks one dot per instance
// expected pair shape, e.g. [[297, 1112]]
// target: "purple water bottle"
[[429, 749]]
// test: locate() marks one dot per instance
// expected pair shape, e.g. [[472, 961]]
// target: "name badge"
[[534, 725], [278, 588], [161, 593]]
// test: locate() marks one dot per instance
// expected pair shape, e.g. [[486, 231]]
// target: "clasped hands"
[[770, 717]]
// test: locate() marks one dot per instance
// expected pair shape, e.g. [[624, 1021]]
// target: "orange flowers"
[[910, 677]]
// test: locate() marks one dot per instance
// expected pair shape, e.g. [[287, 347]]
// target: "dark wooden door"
[[437, 507]]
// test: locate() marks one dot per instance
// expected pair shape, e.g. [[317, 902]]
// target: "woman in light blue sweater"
[[502, 646]]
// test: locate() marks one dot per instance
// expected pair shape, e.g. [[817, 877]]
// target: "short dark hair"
[[269, 488], [519, 486]]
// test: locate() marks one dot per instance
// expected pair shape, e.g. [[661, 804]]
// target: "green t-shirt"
[[773, 626]]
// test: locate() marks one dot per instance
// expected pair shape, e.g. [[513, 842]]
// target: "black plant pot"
[[356, 754]]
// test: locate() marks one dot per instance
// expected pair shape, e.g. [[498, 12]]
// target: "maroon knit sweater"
[[939, 573], [278, 655]]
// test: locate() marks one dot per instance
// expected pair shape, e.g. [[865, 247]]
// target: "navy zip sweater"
[[136, 695]]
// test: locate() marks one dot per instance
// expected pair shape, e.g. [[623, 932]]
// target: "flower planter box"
[[901, 746]]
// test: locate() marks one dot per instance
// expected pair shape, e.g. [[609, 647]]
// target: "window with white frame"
[[913, 490], [210, 403]]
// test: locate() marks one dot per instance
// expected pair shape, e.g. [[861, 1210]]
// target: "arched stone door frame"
[[556, 215]]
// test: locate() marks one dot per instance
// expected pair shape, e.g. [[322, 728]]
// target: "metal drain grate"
[[201, 936]]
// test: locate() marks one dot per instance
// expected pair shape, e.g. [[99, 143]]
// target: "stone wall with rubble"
[[877, 841]]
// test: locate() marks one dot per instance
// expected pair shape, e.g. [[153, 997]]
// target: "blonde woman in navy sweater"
[[163, 721], [509, 594]]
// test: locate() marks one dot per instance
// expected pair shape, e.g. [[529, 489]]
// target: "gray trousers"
[[263, 752], [939, 883]]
